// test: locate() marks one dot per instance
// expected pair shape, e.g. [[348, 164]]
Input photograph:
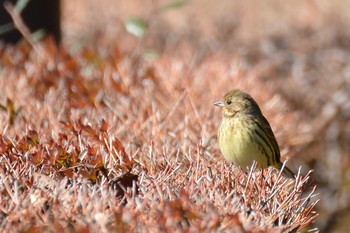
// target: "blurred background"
[[301, 47]]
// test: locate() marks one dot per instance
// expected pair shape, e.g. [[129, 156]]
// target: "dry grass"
[[89, 145], [96, 138]]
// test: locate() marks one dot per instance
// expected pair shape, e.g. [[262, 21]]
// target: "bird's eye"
[[228, 102]]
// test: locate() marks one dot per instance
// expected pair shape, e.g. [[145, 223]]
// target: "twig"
[[23, 29]]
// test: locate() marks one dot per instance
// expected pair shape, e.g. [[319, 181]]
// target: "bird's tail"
[[286, 171]]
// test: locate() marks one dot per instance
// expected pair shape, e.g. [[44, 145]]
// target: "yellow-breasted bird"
[[245, 135]]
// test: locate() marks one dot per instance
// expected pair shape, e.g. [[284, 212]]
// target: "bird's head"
[[237, 101]]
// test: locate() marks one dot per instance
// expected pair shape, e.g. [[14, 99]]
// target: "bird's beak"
[[219, 104]]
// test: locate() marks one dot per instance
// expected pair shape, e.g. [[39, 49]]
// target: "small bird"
[[245, 135]]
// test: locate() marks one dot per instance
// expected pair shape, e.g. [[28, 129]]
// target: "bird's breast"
[[237, 144]]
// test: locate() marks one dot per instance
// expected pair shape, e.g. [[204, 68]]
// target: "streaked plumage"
[[245, 135]]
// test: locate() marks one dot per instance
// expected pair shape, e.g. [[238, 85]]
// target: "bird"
[[245, 135]]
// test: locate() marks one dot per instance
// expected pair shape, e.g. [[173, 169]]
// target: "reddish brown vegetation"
[[87, 144], [100, 139]]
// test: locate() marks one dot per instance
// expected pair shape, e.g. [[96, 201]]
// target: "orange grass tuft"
[[94, 147]]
